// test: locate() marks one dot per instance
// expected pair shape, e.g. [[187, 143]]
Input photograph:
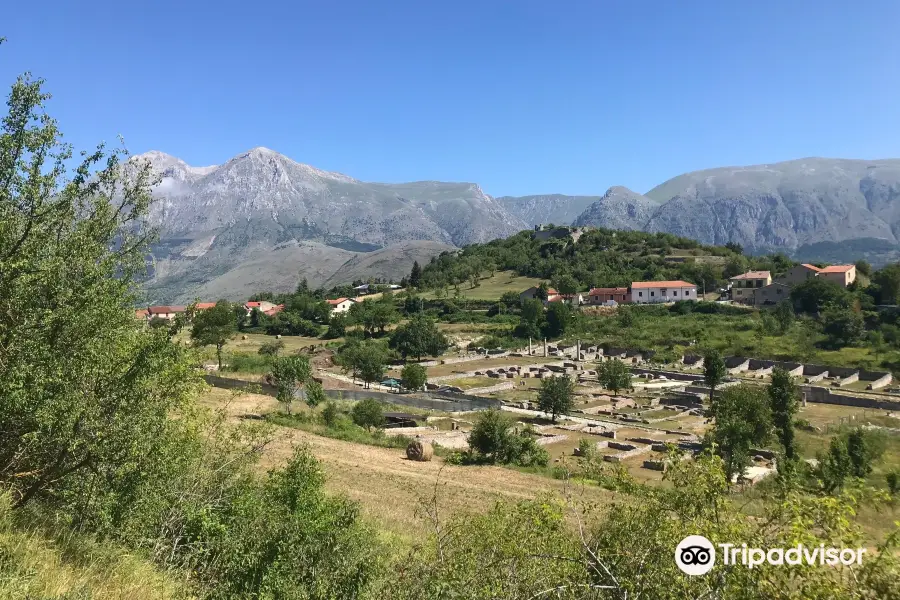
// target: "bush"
[[248, 363], [492, 441], [368, 413]]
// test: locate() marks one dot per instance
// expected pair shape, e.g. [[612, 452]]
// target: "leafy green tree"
[[531, 319], [743, 419], [557, 320], [315, 394], [330, 414], [814, 294], [158, 323], [566, 284], [556, 396], [887, 282], [713, 372], [85, 389], [366, 359], [493, 440], [892, 478], [414, 376], [835, 466], [214, 327], [368, 413], [415, 275], [542, 292], [842, 326], [783, 395], [272, 348], [337, 327], [735, 266], [375, 315], [614, 375], [418, 337], [784, 315], [863, 268], [289, 374]]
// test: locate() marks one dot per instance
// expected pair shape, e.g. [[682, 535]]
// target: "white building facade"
[[652, 292]]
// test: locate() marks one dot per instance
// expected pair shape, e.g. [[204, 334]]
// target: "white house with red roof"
[[340, 305], [744, 286], [651, 292], [532, 293]]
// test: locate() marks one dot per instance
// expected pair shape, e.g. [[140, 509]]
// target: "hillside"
[[557, 209], [385, 263]]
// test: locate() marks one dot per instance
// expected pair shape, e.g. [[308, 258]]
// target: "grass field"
[[491, 288], [391, 489]]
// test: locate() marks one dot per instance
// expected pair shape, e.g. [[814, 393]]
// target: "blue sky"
[[521, 97]]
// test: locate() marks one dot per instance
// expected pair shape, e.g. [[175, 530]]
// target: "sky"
[[519, 96]]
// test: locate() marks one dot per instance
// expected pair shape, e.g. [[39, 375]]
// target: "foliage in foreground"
[[539, 549]]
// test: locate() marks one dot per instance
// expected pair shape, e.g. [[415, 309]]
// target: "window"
[[675, 293], [641, 294], [652, 293], [779, 291]]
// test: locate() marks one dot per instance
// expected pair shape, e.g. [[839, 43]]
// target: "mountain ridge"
[[216, 218]]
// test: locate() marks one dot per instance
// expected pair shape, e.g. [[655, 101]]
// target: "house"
[[648, 292], [597, 296], [164, 312], [773, 293], [532, 293], [263, 306], [843, 275], [799, 274], [571, 299], [271, 312], [362, 289], [204, 305], [142, 314], [340, 305], [744, 286]]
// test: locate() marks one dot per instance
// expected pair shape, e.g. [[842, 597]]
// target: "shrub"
[[368, 413]]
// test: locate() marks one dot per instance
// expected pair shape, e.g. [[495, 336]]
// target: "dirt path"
[[389, 487]]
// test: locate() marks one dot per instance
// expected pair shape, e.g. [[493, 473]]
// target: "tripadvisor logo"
[[696, 555]]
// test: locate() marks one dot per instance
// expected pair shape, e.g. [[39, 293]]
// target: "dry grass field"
[[390, 488]]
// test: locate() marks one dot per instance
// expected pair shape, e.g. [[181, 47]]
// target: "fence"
[[443, 401]]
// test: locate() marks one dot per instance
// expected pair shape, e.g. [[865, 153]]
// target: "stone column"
[[545, 348]]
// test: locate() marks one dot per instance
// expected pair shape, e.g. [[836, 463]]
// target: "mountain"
[[262, 208], [783, 205], [385, 263], [791, 206], [619, 208], [550, 208]]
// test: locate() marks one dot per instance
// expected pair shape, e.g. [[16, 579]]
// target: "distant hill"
[[554, 209]]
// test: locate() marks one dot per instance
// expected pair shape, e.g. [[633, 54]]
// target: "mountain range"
[[263, 221]]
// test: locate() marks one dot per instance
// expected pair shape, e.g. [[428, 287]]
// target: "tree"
[[85, 390], [784, 315], [418, 337], [368, 413], [783, 394], [303, 288], [315, 394], [493, 440], [743, 420], [735, 247], [214, 327], [614, 375], [415, 275], [834, 466], [271, 348], [531, 320], [556, 396], [567, 285], [842, 326], [887, 281], [814, 294], [365, 359], [374, 315], [863, 268], [414, 376], [557, 320], [713, 373], [337, 327], [542, 291], [289, 374], [735, 266]]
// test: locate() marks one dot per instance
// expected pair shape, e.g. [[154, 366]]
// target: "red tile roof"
[[753, 275], [165, 309], [205, 305], [141, 313], [253, 304], [551, 292], [661, 284], [336, 301], [811, 267], [836, 269], [608, 291]]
